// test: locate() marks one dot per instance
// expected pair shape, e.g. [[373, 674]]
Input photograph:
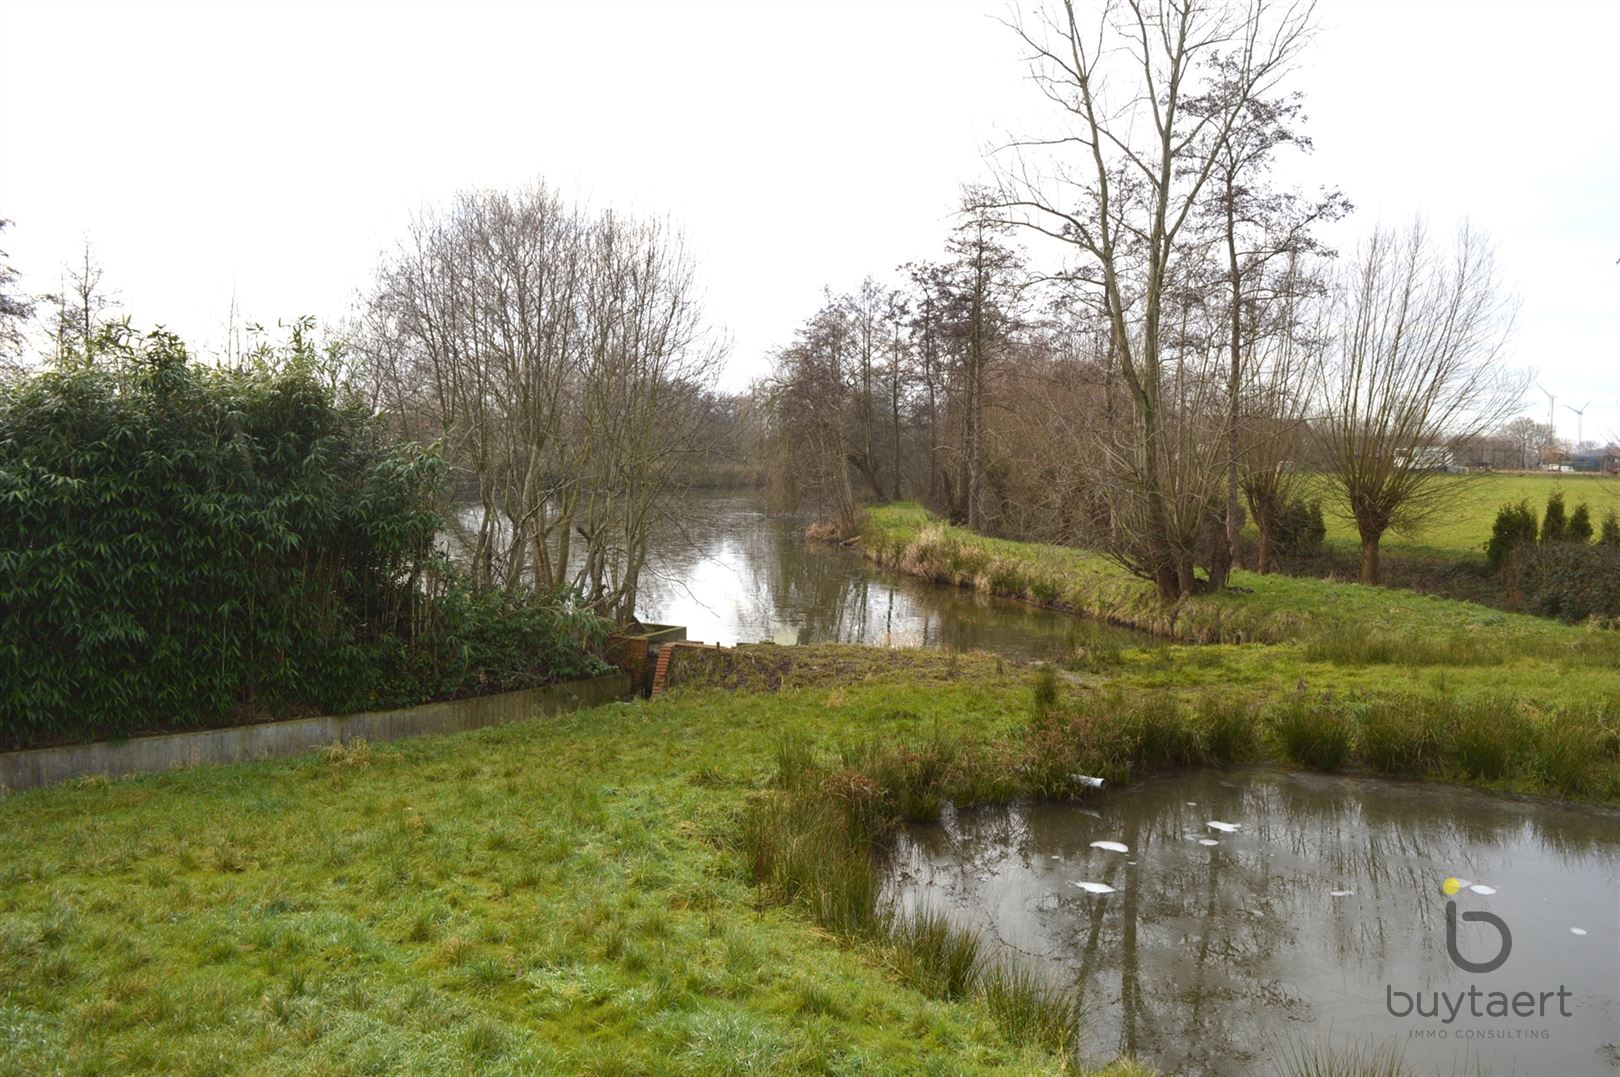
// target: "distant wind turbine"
[[1580, 417], [1551, 400]]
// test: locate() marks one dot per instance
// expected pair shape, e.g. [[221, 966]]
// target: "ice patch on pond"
[[1207, 841], [1224, 828], [1096, 888], [1577, 931], [1111, 846], [1341, 893], [1481, 888]]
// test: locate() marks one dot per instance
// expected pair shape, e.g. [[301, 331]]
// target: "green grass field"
[[1464, 524], [570, 895], [558, 896]]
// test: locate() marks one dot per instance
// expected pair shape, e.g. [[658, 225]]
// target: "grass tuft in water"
[[1318, 1059], [1028, 1009], [938, 958]]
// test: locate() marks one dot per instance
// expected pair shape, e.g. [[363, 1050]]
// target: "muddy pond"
[[1314, 913]]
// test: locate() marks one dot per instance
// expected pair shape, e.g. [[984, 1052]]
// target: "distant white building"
[[1428, 458]]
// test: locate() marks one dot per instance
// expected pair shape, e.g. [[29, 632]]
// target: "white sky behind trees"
[[273, 151]]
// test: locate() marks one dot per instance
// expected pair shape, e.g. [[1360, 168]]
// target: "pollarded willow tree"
[[1415, 368], [562, 356], [1148, 93]]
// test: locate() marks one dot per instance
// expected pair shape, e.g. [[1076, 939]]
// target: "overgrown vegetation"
[[812, 841], [183, 546]]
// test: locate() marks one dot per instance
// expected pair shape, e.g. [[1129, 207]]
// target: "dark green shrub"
[[183, 546], [1579, 527], [1572, 581], [1609, 535], [1300, 528], [1515, 528], [1553, 520]]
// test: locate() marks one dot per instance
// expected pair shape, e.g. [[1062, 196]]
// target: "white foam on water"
[[1224, 828], [1207, 841], [1577, 931], [1481, 888], [1096, 888], [1341, 893], [1111, 846]]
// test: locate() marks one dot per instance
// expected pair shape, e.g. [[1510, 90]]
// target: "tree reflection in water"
[[1210, 958]]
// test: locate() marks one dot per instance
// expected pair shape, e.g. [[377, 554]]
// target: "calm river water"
[[1320, 918], [733, 573]]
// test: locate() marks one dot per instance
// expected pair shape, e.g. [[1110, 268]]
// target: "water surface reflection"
[[1209, 956], [733, 573]]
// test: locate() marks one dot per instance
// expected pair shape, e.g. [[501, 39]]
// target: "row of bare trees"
[[563, 359], [1194, 347]]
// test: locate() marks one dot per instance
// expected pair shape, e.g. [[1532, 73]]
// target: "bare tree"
[[812, 419], [981, 292], [1415, 368], [1280, 376], [1264, 234], [1142, 156], [897, 376], [1529, 439], [561, 357], [926, 284]]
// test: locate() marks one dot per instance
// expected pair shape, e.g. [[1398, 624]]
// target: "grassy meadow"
[[1464, 524], [618, 890], [563, 895]]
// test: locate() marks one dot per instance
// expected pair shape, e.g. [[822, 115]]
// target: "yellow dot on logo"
[[1451, 886]]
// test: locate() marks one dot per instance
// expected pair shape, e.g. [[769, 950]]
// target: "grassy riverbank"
[[1339, 622], [552, 896], [598, 894]]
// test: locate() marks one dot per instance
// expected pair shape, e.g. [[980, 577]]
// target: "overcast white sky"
[[274, 150]]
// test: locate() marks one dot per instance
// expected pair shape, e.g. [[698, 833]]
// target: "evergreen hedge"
[[183, 546]]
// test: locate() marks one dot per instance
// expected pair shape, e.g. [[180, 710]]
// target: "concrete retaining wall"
[[268, 740]]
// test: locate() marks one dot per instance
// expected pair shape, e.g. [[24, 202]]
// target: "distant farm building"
[[1598, 460]]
